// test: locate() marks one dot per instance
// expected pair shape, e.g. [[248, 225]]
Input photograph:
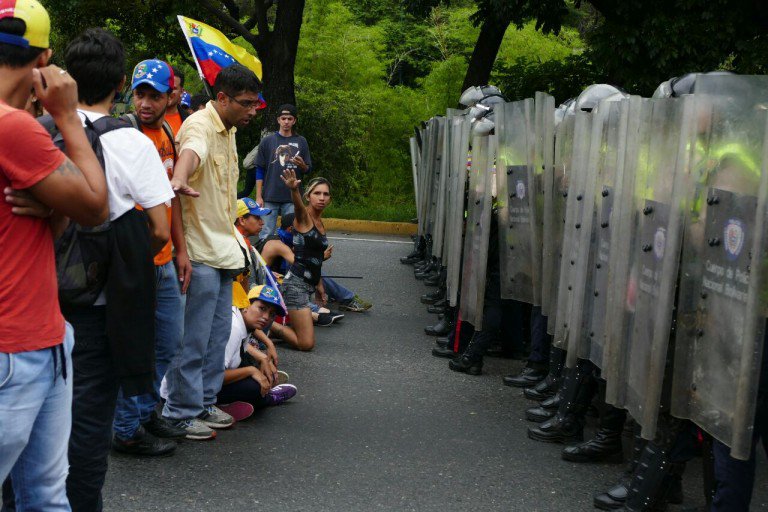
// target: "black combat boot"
[[419, 249], [433, 297], [606, 445], [464, 364], [545, 410], [441, 328], [616, 495], [655, 482], [548, 387], [567, 425]]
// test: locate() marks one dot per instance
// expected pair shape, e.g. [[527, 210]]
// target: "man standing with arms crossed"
[[35, 342], [206, 175]]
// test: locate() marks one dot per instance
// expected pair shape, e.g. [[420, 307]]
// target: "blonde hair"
[[313, 183]]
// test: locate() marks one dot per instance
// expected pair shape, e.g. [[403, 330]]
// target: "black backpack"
[[83, 253]]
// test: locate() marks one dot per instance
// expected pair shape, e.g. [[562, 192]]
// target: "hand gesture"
[[183, 270], [328, 253], [183, 188], [56, 90], [289, 178], [260, 201]]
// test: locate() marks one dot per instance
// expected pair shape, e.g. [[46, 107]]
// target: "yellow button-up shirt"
[[208, 220]]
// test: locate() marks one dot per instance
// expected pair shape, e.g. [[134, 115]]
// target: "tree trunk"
[[486, 49], [280, 58]]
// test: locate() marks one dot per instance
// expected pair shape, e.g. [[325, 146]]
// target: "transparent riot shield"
[[636, 367], [435, 173], [556, 185], [441, 202], [427, 177], [607, 156], [543, 159], [460, 126], [515, 199], [722, 300], [415, 155], [477, 232], [575, 211]]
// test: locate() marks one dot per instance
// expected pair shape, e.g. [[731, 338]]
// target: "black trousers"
[[245, 390], [93, 409], [500, 317], [541, 342]]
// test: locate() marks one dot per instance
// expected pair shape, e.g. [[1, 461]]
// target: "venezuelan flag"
[[213, 51]]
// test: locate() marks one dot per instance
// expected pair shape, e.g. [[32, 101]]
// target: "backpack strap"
[[169, 133]]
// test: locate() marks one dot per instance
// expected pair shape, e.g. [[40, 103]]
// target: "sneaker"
[[335, 315], [163, 428], [280, 394], [214, 417], [195, 429], [238, 410], [324, 319], [282, 377], [144, 444], [355, 304]]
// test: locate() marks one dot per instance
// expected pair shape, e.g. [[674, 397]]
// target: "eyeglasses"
[[249, 104]]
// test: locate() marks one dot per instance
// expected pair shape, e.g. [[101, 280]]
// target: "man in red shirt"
[[35, 342]]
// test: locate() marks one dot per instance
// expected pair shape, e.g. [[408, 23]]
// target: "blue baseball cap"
[[186, 99], [267, 294], [247, 205], [154, 72]]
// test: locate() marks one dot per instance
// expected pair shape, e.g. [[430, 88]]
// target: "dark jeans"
[[734, 479], [500, 317], [541, 342], [93, 409], [245, 390]]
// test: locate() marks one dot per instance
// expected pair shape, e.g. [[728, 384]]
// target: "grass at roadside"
[[387, 212]]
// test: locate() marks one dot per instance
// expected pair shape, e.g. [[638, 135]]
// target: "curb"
[[370, 226]]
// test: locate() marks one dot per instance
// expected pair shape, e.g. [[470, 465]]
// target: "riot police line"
[[636, 228]]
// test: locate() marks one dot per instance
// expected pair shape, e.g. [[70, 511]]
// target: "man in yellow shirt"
[[206, 178]]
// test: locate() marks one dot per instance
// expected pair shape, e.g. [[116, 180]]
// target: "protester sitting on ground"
[[277, 250], [250, 374], [309, 246]]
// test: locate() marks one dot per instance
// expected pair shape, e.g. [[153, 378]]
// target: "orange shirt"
[[165, 148], [174, 120]]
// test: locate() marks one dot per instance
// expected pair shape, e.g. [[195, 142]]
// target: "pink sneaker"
[[280, 394], [238, 410]]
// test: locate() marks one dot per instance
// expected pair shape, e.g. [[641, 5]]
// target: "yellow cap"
[[34, 16]]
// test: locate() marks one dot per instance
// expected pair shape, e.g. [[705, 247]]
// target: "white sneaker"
[[216, 418]]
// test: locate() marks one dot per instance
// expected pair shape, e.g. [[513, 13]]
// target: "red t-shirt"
[[30, 318]]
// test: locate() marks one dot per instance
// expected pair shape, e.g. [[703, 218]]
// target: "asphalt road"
[[378, 424]]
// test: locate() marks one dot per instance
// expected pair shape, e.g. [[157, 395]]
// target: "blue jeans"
[[169, 329], [270, 221], [336, 292], [196, 372], [35, 419]]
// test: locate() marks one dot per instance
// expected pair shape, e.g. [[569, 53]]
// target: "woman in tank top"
[[309, 246]]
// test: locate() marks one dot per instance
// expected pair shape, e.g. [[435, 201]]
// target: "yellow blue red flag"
[[213, 51]]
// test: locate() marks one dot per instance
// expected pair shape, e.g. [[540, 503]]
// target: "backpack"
[[83, 253]]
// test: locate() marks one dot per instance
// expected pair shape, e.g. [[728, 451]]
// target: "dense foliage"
[[368, 71]]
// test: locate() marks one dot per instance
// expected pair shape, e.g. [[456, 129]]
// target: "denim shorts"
[[297, 292]]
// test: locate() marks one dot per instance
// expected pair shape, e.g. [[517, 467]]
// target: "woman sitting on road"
[[309, 246]]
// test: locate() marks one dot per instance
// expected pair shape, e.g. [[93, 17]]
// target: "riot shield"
[[556, 184], [722, 300], [415, 156], [477, 232], [576, 212], [515, 200], [441, 203], [607, 156], [636, 367], [543, 159], [460, 126], [435, 168], [427, 177]]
